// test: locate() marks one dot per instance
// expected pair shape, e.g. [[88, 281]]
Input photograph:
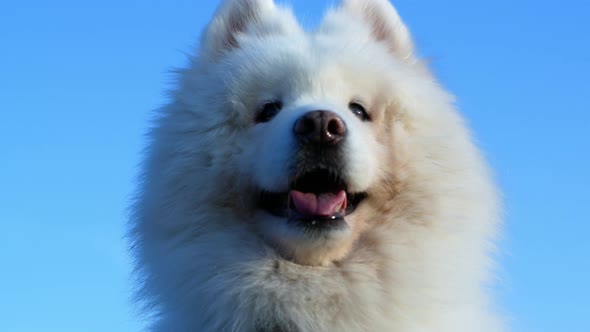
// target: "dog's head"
[[298, 134]]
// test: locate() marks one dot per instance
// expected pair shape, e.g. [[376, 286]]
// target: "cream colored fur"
[[417, 255]]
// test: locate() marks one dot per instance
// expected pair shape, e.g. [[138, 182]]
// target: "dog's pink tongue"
[[324, 204]]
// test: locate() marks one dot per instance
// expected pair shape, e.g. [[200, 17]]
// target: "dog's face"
[[305, 120], [309, 147]]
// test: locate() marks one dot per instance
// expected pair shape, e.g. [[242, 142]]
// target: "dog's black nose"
[[320, 127]]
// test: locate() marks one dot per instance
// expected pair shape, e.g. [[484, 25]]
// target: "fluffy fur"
[[414, 256]]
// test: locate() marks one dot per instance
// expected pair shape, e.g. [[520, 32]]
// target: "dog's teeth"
[[344, 204]]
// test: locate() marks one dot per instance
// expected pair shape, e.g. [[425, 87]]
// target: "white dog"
[[313, 181]]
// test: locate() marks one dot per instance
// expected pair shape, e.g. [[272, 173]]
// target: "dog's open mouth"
[[316, 198]]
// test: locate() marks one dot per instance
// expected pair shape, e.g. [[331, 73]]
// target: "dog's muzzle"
[[318, 197]]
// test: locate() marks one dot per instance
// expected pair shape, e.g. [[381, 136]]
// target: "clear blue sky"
[[78, 80]]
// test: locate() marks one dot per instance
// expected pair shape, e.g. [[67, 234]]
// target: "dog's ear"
[[244, 17], [384, 23]]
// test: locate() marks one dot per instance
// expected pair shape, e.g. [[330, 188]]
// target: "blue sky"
[[79, 79]]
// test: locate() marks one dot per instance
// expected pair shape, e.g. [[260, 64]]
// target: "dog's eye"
[[358, 110], [268, 111]]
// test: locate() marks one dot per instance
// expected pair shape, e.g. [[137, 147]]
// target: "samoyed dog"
[[313, 181]]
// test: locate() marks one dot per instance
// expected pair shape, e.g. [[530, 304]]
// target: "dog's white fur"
[[417, 253]]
